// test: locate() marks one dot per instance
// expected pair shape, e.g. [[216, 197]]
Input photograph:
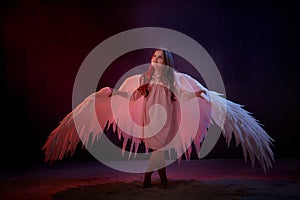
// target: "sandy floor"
[[196, 179]]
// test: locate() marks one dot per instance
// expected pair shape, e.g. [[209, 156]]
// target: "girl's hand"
[[111, 92], [200, 93]]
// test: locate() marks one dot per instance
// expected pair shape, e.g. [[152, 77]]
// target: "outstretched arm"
[[186, 95], [86, 121], [235, 121], [120, 93], [141, 91]]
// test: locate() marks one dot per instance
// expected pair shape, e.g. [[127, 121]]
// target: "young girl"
[[159, 86], [169, 103]]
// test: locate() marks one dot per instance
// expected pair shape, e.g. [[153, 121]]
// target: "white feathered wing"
[[92, 115], [64, 139], [233, 119], [85, 123]]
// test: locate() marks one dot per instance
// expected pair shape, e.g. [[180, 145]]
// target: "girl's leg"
[[157, 162], [147, 179], [163, 177]]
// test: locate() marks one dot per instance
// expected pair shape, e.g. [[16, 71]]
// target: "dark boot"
[[163, 177], [147, 179]]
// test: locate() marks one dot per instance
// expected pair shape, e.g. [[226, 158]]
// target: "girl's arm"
[[142, 90], [186, 95], [120, 93]]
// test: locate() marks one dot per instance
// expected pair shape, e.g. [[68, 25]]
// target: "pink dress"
[[161, 95], [162, 122]]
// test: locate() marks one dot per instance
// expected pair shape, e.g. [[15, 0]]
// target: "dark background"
[[43, 43]]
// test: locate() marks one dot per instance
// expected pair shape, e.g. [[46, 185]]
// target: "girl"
[[167, 105]]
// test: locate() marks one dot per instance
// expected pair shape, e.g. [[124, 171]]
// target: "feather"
[[196, 112], [64, 139], [232, 118], [87, 120]]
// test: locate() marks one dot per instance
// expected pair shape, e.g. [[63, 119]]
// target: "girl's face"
[[158, 59]]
